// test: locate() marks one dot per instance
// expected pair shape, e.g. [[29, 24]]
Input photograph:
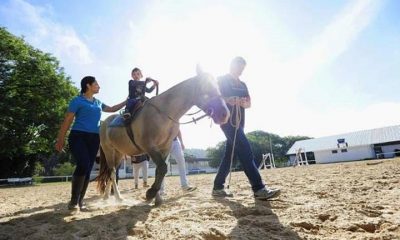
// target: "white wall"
[[353, 153]]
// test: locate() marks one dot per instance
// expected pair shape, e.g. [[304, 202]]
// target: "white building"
[[360, 145]]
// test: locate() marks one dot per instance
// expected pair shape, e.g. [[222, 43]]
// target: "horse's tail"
[[104, 173]]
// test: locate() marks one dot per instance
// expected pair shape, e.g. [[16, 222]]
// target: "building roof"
[[359, 138]]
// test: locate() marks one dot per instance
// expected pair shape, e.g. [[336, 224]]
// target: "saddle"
[[132, 115], [122, 121], [136, 110]]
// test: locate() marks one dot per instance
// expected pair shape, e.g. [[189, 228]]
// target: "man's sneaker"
[[83, 207], [73, 207], [221, 193], [188, 188], [266, 193]]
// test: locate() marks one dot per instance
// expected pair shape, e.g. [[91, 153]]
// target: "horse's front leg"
[[161, 170]]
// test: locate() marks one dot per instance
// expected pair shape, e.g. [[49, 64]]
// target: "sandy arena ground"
[[336, 201]]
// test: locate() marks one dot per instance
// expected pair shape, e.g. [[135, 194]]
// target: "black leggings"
[[84, 147]]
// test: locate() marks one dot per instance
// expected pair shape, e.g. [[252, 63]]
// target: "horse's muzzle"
[[220, 116]]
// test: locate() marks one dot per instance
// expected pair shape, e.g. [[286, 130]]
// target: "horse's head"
[[208, 98]]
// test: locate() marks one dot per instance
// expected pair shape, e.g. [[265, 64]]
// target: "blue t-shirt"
[[229, 87], [87, 114]]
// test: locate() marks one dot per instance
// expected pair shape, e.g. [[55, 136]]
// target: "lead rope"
[[238, 117]]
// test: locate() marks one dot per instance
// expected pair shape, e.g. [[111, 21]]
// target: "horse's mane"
[[185, 84], [193, 82]]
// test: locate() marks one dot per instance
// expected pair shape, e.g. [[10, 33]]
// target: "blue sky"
[[315, 68]]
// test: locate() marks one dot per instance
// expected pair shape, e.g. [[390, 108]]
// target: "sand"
[[354, 200]]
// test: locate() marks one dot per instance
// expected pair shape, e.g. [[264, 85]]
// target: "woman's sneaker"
[[221, 193], [266, 193]]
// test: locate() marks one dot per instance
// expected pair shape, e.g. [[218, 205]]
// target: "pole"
[[270, 144]]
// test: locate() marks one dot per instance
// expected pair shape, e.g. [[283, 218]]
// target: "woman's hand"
[[69, 118], [59, 145]]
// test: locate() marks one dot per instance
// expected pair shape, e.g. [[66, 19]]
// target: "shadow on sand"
[[60, 224], [56, 222], [257, 221]]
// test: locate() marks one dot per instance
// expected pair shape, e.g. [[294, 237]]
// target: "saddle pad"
[[117, 122]]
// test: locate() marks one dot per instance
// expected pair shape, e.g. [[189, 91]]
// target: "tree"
[[216, 154], [34, 94]]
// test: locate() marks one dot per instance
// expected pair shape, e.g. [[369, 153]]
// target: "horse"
[[154, 127]]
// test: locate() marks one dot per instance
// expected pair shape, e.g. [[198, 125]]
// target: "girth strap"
[[130, 135]]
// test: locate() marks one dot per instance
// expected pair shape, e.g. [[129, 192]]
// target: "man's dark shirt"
[[229, 87]]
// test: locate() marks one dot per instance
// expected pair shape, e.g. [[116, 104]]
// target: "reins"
[[194, 120], [236, 124]]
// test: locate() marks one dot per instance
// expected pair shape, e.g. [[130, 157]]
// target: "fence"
[[387, 154], [36, 179]]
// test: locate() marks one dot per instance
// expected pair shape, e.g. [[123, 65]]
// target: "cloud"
[[287, 80], [337, 37], [42, 32]]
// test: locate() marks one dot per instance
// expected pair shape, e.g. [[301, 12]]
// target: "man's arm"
[[181, 140], [244, 102]]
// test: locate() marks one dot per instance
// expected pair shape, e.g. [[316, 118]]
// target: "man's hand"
[[233, 101], [245, 102]]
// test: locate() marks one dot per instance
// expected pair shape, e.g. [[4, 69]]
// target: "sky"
[[314, 68]]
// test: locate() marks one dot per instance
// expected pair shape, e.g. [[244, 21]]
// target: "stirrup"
[[126, 115]]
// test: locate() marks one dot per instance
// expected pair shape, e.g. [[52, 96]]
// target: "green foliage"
[[37, 179], [216, 154], [34, 94], [64, 169], [39, 169], [260, 144]]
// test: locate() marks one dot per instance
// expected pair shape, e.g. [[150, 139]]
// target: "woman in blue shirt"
[[84, 137]]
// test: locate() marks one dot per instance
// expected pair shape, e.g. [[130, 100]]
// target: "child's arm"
[[155, 83]]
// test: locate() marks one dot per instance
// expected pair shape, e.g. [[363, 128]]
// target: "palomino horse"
[[154, 128]]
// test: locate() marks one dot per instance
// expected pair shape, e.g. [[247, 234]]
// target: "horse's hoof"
[[151, 193], [119, 199], [158, 200]]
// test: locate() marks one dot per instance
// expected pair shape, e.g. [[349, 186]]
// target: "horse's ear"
[[199, 69]]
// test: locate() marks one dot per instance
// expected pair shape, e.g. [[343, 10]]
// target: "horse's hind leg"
[[107, 191], [117, 193], [161, 170]]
